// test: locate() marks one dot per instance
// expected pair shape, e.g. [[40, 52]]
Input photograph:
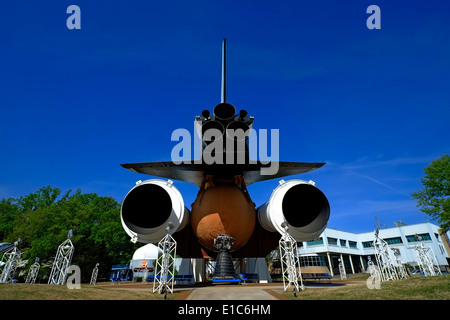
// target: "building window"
[[332, 241], [412, 238], [343, 242], [395, 240], [437, 237], [352, 244], [367, 244], [315, 242], [312, 261]]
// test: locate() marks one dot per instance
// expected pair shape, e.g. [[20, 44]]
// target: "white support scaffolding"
[[386, 267], [94, 275], [9, 263], [62, 262], [401, 269], [426, 259], [33, 272], [289, 262], [342, 272], [165, 267]]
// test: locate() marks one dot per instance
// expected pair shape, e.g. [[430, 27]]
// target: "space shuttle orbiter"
[[223, 205]]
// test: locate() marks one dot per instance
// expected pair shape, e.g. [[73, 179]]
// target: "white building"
[[144, 260], [352, 248], [355, 248]]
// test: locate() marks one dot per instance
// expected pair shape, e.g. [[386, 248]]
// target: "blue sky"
[[373, 104]]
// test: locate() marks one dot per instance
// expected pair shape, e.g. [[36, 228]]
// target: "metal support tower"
[[165, 267], [342, 272], [94, 275], [387, 269], [289, 262], [401, 270], [9, 263], [62, 262], [33, 272], [427, 260]]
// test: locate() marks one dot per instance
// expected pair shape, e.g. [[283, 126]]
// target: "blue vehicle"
[[121, 272]]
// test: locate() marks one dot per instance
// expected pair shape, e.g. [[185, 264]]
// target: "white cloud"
[[365, 162]]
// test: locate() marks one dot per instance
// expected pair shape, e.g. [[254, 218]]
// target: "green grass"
[[22, 291], [416, 288]]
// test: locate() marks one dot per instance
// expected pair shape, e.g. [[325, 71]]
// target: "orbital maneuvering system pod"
[[223, 219]]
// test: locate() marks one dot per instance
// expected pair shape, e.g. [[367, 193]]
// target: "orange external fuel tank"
[[223, 209]]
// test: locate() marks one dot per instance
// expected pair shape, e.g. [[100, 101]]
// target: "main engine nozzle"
[[298, 205], [212, 124], [151, 209], [224, 111], [234, 130]]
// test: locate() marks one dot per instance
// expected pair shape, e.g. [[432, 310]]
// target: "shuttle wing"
[[253, 173], [193, 173]]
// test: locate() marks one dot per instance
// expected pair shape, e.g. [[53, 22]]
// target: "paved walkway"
[[231, 292]]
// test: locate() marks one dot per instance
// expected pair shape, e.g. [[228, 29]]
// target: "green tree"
[[44, 197], [434, 198], [8, 212], [43, 218]]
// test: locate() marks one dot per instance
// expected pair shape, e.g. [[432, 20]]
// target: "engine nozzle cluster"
[[224, 119], [224, 134]]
